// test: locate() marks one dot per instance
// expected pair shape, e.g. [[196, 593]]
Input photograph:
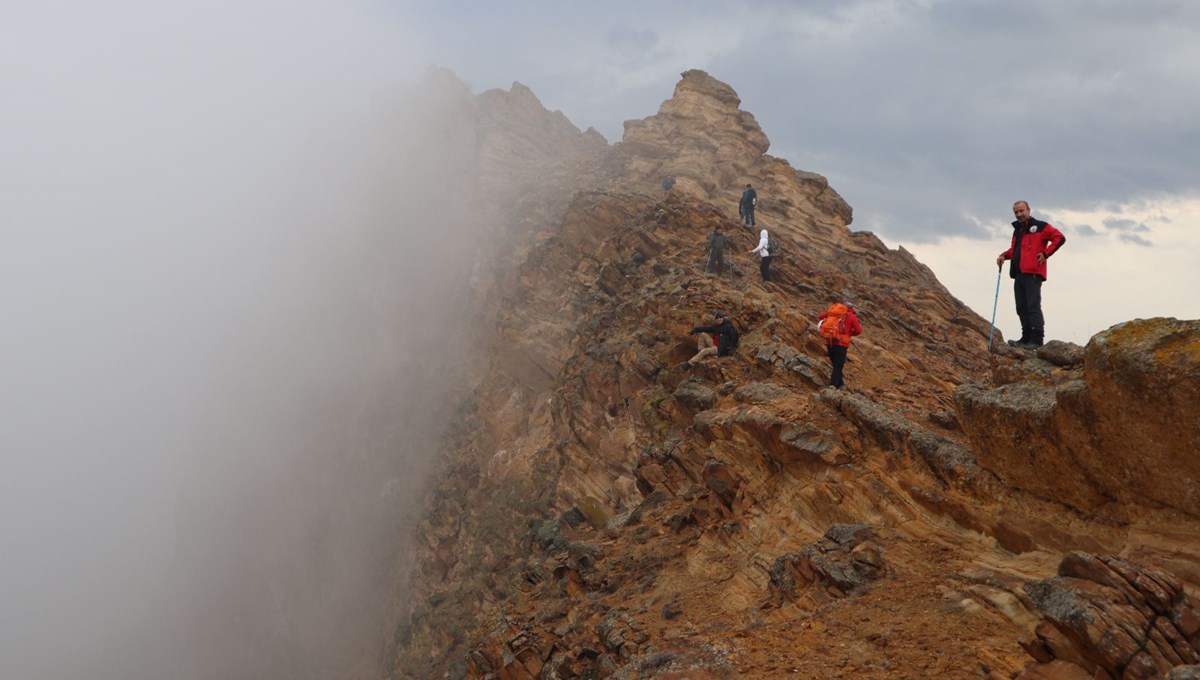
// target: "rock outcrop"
[[1124, 433], [1106, 617], [603, 512], [713, 149]]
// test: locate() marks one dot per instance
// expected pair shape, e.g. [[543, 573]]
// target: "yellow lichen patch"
[[1179, 350]]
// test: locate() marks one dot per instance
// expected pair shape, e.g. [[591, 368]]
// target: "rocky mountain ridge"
[[603, 512]]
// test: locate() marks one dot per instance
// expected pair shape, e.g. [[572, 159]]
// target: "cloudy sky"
[[929, 116]]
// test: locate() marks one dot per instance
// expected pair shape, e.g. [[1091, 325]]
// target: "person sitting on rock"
[[724, 345]]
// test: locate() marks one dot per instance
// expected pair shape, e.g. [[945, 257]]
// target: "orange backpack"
[[833, 326]]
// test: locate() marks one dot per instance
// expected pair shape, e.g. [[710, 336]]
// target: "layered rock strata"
[[1106, 617]]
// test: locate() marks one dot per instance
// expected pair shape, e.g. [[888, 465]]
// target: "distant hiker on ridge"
[[668, 182], [718, 241], [764, 250], [726, 340], [837, 325], [746, 206], [1032, 242]]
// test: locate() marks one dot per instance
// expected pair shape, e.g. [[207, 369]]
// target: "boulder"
[[843, 560], [1108, 617], [1059, 353]]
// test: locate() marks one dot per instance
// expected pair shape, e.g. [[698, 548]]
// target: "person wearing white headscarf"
[[764, 254]]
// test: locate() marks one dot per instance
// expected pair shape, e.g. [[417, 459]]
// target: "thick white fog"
[[234, 251]]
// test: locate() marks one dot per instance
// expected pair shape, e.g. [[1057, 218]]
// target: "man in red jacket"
[[1033, 241]]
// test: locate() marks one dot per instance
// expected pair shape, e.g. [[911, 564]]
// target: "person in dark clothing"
[[724, 345], [847, 326], [1033, 241], [718, 241], [746, 206], [668, 182]]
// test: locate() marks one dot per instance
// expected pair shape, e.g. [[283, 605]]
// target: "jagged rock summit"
[[712, 148], [602, 512]]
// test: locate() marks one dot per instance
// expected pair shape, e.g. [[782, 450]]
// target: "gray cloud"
[[1134, 239], [1117, 224], [1085, 230], [626, 38], [220, 388], [927, 115]]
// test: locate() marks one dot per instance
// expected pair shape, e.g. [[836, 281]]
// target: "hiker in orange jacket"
[[837, 334]]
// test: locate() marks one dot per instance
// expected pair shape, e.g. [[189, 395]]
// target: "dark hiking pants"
[[764, 268], [1027, 289], [716, 261], [837, 357]]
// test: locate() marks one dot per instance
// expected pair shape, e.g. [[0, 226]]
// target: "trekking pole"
[[708, 262], [992, 330]]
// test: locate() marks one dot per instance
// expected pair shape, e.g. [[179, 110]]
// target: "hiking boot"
[[1016, 343], [1032, 344]]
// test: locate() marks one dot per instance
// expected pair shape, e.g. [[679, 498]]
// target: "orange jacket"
[[851, 324]]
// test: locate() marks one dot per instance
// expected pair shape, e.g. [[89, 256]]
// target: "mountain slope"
[[603, 512]]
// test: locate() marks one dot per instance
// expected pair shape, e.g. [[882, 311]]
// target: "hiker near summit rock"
[[1033, 241], [764, 253], [726, 339], [718, 241], [837, 325], [747, 204]]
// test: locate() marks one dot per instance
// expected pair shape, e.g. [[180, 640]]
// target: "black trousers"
[[716, 261], [1027, 289], [837, 357], [748, 216], [764, 267]]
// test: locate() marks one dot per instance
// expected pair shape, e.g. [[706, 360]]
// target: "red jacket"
[[1041, 238], [851, 324]]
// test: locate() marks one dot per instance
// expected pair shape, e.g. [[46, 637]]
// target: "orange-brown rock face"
[[1124, 433], [1107, 617], [604, 511]]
